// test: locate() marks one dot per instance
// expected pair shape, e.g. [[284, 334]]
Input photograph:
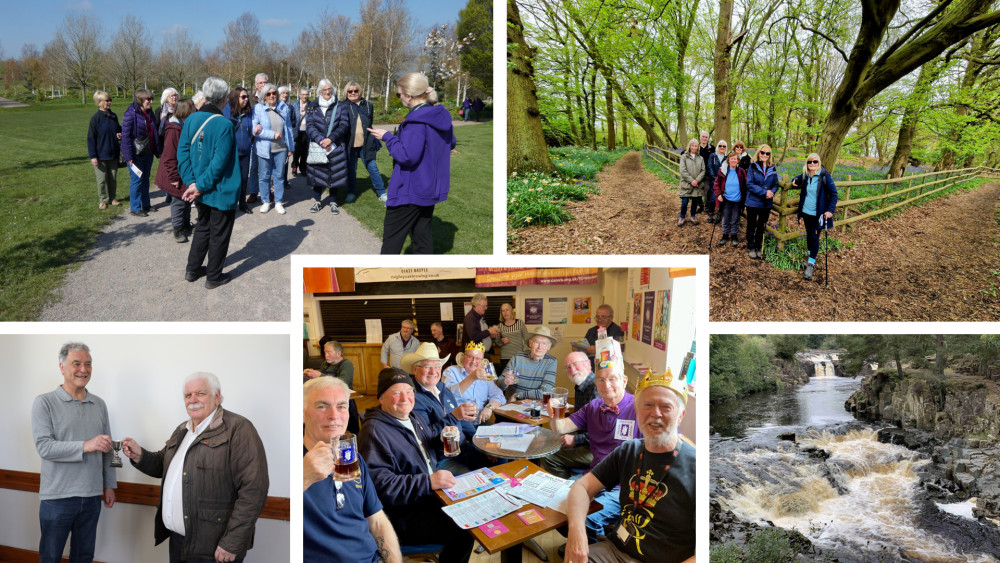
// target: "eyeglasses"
[[765, 153], [812, 162]]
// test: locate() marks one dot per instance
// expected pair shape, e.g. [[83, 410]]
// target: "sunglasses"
[[244, 97], [354, 91], [765, 153], [812, 162], [271, 94]]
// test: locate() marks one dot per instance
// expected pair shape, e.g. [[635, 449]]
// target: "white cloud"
[[79, 5], [274, 22]]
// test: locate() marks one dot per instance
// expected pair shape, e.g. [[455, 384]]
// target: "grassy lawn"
[[464, 223], [49, 218]]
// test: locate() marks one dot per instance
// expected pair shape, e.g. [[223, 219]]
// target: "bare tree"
[[395, 49], [325, 46], [77, 52], [130, 57], [242, 48], [180, 60]]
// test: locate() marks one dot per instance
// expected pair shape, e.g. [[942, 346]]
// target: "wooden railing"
[[916, 187]]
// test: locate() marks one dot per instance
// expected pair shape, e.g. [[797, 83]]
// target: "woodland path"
[[928, 263]]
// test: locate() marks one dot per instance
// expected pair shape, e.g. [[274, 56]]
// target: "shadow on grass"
[[269, 246], [73, 160], [444, 236]]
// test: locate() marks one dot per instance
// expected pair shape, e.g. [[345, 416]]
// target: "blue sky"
[[36, 21]]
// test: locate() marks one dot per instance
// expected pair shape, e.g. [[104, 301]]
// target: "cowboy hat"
[[426, 351], [543, 331]]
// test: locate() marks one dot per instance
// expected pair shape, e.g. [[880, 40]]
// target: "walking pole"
[[826, 253], [716, 223]]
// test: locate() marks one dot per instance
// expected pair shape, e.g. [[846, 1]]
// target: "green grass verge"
[[464, 223], [49, 218]]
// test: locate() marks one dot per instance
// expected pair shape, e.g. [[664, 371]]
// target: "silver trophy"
[[115, 460]]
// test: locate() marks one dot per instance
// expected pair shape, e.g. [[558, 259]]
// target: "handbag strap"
[[204, 123], [333, 115]]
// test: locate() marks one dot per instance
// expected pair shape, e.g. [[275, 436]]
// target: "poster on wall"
[[581, 310], [644, 276], [636, 315], [533, 311], [662, 309], [647, 317], [558, 310]]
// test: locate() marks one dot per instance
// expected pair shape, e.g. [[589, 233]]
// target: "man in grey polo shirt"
[[399, 344], [72, 431]]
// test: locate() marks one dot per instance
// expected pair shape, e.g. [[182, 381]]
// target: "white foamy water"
[[963, 509], [876, 512]]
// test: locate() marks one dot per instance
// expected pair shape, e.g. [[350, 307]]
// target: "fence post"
[[780, 204], [847, 197]]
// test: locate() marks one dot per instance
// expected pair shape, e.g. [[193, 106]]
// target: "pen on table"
[[523, 469]]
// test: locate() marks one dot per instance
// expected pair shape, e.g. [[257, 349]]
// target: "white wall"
[[140, 377]]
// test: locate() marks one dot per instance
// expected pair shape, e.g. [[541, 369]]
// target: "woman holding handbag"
[[327, 125], [140, 145]]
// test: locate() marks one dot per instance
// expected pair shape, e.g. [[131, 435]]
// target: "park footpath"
[[135, 271]]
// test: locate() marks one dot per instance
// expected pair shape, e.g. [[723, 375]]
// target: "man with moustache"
[[353, 528], [401, 451], [657, 479], [609, 421], [215, 480], [575, 452], [71, 430]]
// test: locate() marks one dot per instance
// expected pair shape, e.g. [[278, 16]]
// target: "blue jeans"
[[270, 171], [58, 518], [608, 514], [138, 188], [370, 165]]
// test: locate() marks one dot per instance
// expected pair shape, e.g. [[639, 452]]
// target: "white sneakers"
[[279, 208], [265, 207]]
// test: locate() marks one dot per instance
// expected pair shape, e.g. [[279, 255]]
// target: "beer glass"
[[346, 466], [450, 438], [546, 396], [560, 397], [117, 447]]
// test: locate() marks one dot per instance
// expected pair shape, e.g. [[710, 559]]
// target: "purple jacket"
[[421, 150], [135, 124]]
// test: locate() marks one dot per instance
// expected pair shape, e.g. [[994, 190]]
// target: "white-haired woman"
[[362, 144], [692, 169], [103, 145], [275, 143], [421, 176], [327, 125], [168, 105], [819, 200], [211, 171]]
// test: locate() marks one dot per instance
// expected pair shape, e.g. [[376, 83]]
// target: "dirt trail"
[[634, 214], [930, 263]]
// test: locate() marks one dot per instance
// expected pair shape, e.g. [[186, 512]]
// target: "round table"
[[545, 442]]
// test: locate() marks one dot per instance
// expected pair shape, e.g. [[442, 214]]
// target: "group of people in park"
[[726, 183], [266, 134], [610, 438]]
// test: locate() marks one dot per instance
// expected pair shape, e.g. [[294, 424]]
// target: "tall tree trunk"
[[526, 149], [609, 100], [721, 76], [911, 115]]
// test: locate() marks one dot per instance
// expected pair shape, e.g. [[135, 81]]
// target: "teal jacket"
[[214, 166]]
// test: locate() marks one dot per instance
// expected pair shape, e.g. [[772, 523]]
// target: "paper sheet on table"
[[478, 510], [504, 429], [515, 443], [545, 490], [515, 407], [473, 482]]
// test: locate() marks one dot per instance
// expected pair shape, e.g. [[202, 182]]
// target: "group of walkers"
[[725, 183], [323, 139]]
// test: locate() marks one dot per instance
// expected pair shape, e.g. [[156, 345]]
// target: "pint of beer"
[[546, 395], [450, 438], [558, 402], [346, 466]]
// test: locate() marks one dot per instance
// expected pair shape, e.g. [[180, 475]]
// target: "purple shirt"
[[601, 426]]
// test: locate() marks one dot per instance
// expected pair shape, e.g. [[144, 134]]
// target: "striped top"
[[518, 335], [533, 377]]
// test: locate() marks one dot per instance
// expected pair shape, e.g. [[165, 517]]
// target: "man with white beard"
[[657, 478], [575, 452]]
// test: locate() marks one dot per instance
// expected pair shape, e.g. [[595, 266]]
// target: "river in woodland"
[[852, 496]]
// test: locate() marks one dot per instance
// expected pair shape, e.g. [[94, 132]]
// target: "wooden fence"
[[895, 193]]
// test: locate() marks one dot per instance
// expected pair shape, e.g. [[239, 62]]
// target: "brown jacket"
[[224, 485]]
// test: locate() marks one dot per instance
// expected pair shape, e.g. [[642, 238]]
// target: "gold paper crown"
[[667, 380], [475, 346]]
